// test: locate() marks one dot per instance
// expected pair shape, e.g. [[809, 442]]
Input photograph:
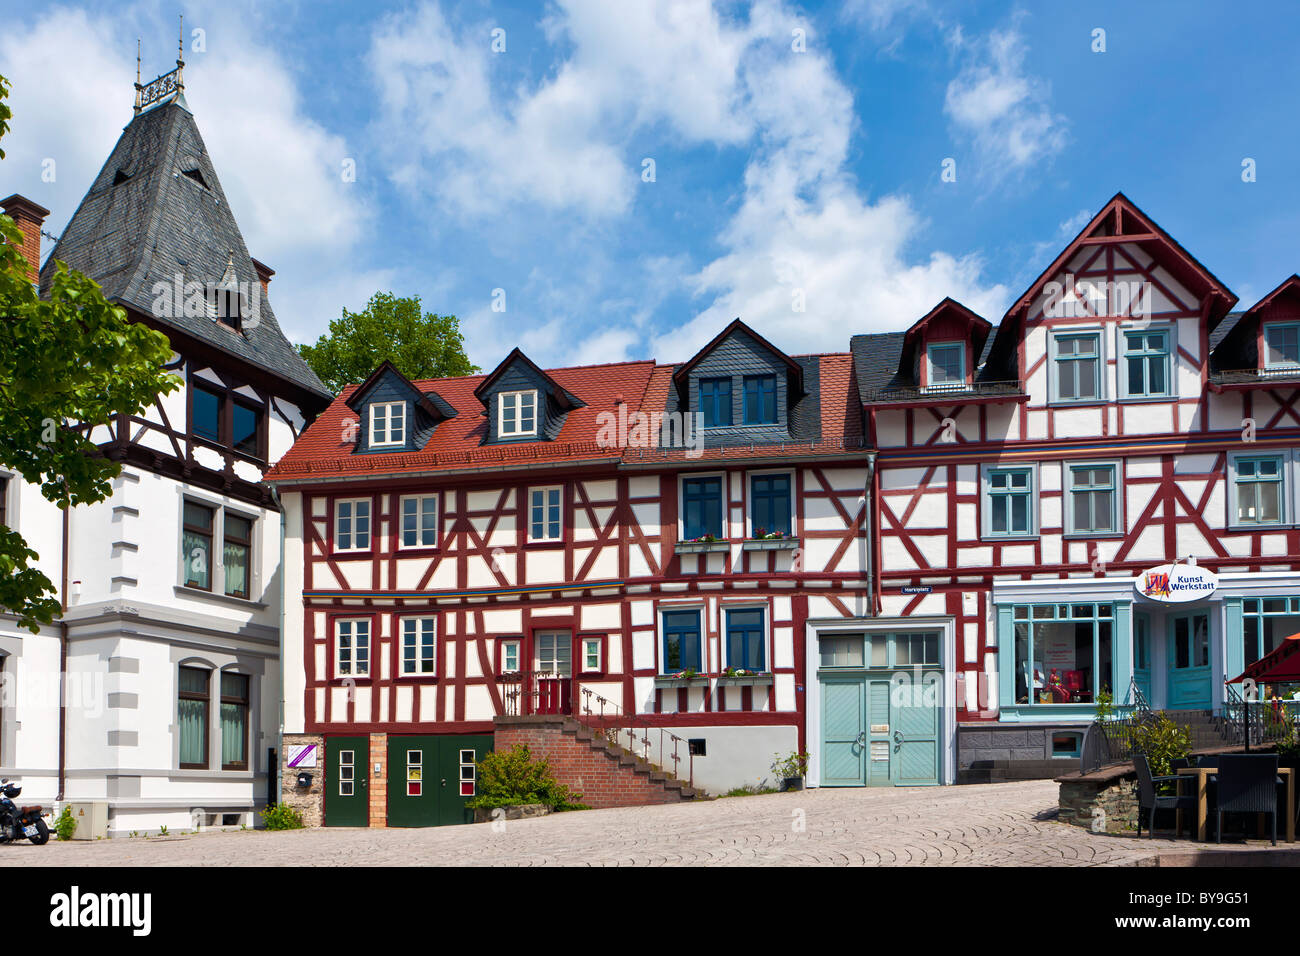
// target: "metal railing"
[[947, 392], [1110, 741], [1260, 722], [542, 692], [1246, 376]]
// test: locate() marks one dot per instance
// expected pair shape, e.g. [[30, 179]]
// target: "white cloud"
[[1003, 111]]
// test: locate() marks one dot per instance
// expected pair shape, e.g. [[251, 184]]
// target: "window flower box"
[[738, 677], [704, 545], [771, 543], [679, 679]]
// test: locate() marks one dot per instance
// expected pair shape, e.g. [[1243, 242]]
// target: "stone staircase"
[[588, 762], [1209, 732]]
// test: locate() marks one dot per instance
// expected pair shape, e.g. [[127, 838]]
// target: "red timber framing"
[[1172, 453]]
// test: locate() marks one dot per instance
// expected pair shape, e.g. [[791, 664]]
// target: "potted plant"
[[790, 769]]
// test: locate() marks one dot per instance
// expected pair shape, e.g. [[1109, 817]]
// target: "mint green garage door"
[[881, 708]]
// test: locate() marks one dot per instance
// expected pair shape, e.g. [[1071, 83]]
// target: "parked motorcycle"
[[17, 823]]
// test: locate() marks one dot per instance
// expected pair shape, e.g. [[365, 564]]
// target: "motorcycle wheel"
[[42, 833]]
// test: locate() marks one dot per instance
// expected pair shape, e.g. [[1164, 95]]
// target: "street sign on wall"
[[1176, 583]]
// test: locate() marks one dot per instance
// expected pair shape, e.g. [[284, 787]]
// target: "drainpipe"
[[869, 497], [63, 657], [275, 496]]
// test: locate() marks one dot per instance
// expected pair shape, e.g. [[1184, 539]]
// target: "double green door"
[[877, 732], [430, 778], [347, 781]]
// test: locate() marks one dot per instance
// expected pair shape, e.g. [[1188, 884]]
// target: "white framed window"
[[417, 646], [352, 524], [517, 414], [1076, 367], [387, 424], [352, 647], [945, 366], [509, 662], [1092, 498], [555, 653], [419, 527], [1281, 345], [1009, 501], [545, 514], [1146, 362], [591, 654], [1257, 492]]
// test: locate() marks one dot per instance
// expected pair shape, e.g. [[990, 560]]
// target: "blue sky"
[[797, 152]]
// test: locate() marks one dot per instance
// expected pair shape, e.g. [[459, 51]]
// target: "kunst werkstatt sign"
[[1176, 583]]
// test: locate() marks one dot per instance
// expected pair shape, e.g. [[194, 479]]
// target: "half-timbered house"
[[1036, 480], [157, 691], [648, 540]]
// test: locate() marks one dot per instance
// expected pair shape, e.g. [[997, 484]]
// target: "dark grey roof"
[[148, 217], [1223, 328], [875, 360]]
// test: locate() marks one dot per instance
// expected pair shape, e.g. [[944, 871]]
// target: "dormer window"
[[1281, 346], [387, 424], [517, 414], [946, 365], [715, 401], [760, 399]]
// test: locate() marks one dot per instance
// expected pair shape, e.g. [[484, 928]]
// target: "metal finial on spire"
[[165, 88], [138, 87]]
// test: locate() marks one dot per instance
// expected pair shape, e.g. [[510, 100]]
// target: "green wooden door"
[[843, 733], [430, 778], [1142, 655], [347, 781], [879, 726], [1189, 662], [916, 708]]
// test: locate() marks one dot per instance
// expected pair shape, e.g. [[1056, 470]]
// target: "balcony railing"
[[1252, 376], [955, 392], [1260, 722], [541, 692]]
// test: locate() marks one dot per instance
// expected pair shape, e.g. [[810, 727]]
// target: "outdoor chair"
[[1247, 784], [1150, 800]]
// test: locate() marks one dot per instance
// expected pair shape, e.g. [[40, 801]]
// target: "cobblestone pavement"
[[990, 825]]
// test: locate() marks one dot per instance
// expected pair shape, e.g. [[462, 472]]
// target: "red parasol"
[[1279, 666]]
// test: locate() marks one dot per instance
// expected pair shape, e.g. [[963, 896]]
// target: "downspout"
[[868, 525], [63, 656], [279, 751]]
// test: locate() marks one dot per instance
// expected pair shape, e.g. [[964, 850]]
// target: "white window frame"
[[1170, 330], [383, 416], [370, 527], [425, 637], [355, 635], [1116, 502], [584, 643], [420, 501], [1053, 371], [930, 383], [517, 404], [986, 506], [545, 491], [555, 655], [517, 644], [1271, 327], [1286, 506]]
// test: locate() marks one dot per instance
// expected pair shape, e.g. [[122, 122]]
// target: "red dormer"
[[941, 352], [1263, 347]]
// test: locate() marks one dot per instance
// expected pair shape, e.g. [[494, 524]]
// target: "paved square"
[[994, 825]]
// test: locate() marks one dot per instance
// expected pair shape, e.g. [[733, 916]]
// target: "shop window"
[[1093, 503], [1266, 622], [681, 633], [769, 505], [1009, 496], [1064, 653], [715, 401], [701, 507]]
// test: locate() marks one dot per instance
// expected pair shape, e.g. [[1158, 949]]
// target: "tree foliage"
[[420, 344], [68, 363]]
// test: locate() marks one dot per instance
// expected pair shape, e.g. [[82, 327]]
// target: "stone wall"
[[1102, 803], [310, 802]]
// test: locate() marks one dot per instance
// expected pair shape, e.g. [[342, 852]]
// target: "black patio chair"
[[1151, 801], [1247, 784]]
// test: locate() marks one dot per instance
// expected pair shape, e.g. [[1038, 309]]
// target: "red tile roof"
[[455, 445]]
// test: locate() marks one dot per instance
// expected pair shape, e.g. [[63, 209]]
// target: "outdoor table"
[[1203, 775]]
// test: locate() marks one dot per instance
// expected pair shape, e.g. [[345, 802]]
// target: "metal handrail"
[[956, 390]]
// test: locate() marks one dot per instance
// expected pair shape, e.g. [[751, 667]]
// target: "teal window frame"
[[1271, 327], [991, 491], [1253, 479], [932, 365], [1255, 613], [1144, 360], [1031, 616], [1073, 362], [1092, 489]]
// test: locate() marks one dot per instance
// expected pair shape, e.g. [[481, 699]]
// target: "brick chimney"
[[29, 218], [264, 273]]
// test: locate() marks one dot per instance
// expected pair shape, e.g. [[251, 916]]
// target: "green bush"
[[282, 817], [1163, 742], [512, 777], [65, 824]]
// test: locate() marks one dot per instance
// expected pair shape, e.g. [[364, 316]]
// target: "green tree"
[[420, 344], [68, 363]]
